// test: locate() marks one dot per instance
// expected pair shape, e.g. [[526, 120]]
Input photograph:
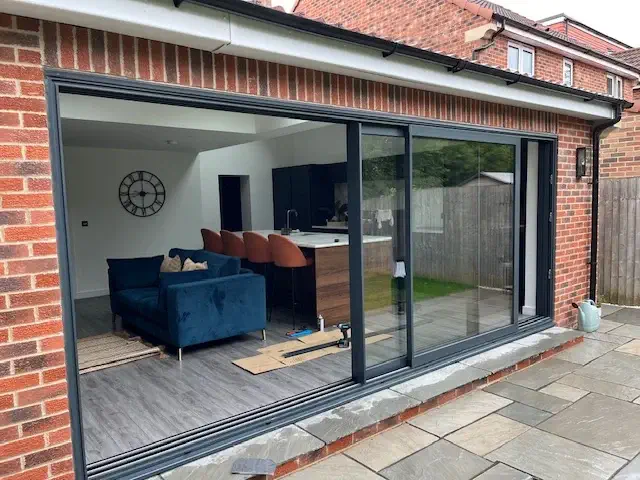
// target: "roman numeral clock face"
[[142, 194]]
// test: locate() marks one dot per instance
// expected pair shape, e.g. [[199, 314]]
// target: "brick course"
[[33, 390]]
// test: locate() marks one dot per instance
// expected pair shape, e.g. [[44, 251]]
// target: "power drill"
[[344, 342]]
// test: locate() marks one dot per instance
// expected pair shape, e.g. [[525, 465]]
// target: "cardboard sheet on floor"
[[259, 364], [272, 357]]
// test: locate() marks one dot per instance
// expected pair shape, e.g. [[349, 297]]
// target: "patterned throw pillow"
[[190, 265], [171, 265]]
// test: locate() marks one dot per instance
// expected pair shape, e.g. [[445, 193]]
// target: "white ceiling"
[[110, 123], [86, 133]]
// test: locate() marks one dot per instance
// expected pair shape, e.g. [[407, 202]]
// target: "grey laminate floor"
[[142, 402]]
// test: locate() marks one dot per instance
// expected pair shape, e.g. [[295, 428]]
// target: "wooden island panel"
[[331, 267]]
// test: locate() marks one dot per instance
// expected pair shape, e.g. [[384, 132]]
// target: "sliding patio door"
[[384, 246], [465, 209]]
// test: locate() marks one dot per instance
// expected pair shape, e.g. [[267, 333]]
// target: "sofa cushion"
[[170, 264], [190, 265], [218, 265], [129, 273], [144, 302], [175, 278]]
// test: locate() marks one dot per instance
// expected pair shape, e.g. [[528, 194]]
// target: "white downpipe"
[[208, 29]]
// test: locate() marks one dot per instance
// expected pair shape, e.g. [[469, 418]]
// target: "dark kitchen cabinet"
[[306, 188]]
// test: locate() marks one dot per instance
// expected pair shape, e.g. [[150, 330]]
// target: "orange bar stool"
[[259, 253], [212, 241], [287, 254], [233, 244]]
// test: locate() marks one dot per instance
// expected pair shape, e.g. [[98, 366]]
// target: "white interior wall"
[[93, 176], [257, 160]]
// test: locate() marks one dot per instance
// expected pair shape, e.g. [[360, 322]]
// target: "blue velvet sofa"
[[187, 308]]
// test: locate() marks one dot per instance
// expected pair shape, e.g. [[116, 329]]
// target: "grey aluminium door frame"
[[208, 439]]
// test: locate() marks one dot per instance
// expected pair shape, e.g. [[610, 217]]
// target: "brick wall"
[[620, 149], [440, 25], [593, 41], [435, 24], [573, 222], [34, 421]]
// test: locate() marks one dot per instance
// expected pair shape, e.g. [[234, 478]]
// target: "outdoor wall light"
[[584, 160]]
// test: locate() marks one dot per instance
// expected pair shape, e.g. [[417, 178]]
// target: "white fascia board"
[[551, 21], [255, 39], [538, 41], [208, 29], [190, 25]]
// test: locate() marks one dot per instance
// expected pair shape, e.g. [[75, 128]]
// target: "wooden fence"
[[460, 234], [619, 241]]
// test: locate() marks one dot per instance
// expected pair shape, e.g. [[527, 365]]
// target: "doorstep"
[[295, 446]]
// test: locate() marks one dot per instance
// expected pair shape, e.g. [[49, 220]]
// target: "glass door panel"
[[384, 244], [462, 239]]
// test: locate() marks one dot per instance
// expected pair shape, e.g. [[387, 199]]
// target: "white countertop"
[[321, 240]]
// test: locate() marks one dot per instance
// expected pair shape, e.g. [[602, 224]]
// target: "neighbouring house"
[[583, 33], [190, 190]]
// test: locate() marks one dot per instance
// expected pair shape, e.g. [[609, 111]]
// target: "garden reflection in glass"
[[462, 234]]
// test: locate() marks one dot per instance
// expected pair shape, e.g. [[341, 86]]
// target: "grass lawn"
[[377, 290]]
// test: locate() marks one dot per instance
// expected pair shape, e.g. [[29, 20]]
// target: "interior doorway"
[[233, 190]]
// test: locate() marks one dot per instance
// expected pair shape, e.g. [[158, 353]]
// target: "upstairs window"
[[567, 72], [521, 59], [615, 86]]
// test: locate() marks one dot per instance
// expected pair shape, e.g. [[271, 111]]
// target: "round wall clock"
[[142, 194]]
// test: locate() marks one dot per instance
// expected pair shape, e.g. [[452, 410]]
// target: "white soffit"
[[209, 29]]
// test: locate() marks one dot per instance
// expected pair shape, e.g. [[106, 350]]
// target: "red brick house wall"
[[596, 42], [440, 25], [34, 420]]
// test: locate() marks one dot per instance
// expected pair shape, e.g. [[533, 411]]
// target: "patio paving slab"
[[390, 446], [341, 421], [337, 467], [615, 367], [605, 423], [504, 472], [565, 392], [440, 461], [487, 434], [461, 412], [586, 352], [608, 309], [550, 338], [440, 381], [279, 446], [632, 331], [529, 397], [524, 414], [542, 373], [629, 316], [607, 337], [630, 472], [602, 387], [632, 347], [607, 325], [554, 458], [510, 354]]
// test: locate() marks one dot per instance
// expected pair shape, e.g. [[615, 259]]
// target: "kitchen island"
[[325, 284]]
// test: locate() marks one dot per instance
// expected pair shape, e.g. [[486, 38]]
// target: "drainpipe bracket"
[[390, 52], [177, 3]]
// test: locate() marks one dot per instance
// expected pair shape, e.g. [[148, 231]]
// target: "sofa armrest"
[[217, 308]]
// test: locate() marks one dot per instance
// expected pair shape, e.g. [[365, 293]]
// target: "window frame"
[[522, 48], [567, 62], [617, 85]]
